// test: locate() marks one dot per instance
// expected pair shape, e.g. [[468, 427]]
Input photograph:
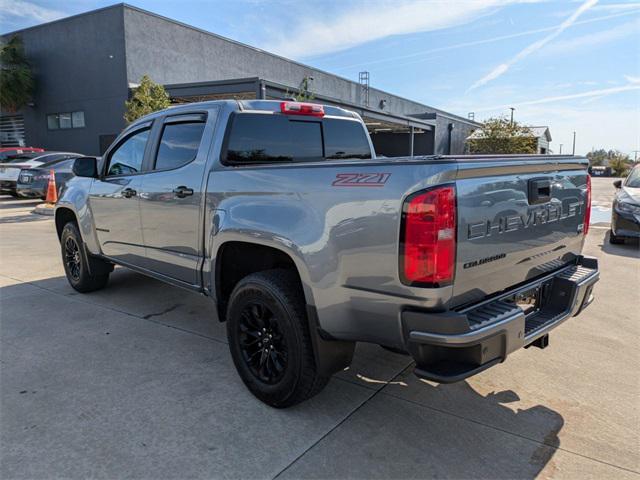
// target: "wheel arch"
[[237, 258], [64, 215]]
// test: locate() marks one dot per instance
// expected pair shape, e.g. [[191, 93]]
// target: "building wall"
[[543, 145], [78, 64], [155, 43], [461, 130], [88, 62]]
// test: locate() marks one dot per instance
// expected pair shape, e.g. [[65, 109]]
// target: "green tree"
[[16, 79], [597, 157], [147, 98], [501, 136], [619, 163], [304, 93]]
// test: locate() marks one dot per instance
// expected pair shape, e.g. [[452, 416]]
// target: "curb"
[[45, 209]]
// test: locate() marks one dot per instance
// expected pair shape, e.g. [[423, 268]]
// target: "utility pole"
[[574, 143], [635, 155], [512, 109], [560, 149]]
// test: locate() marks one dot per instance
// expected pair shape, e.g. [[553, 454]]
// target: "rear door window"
[[179, 144]]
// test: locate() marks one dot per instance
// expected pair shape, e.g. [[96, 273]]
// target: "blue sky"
[[572, 65]]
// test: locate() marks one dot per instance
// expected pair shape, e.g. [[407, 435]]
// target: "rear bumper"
[[451, 346], [31, 190], [7, 186]]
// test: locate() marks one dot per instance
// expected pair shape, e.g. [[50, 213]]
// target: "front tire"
[[269, 339], [75, 261], [614, 239]]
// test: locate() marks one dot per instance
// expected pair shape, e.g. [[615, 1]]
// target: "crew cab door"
[[114, 198], [172, 195]]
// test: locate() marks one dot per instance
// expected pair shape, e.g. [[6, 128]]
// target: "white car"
[[10, 168]]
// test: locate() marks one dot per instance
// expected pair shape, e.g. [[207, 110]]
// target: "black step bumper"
[[451, 346]]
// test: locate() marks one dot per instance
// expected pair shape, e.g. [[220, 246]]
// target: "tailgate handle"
[[539, 190]]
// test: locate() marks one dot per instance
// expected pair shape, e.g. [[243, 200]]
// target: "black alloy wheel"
[[269, 339], [84, 272], [72, 258], [263, 346]]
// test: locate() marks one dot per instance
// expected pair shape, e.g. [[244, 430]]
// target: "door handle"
[[183, 191], [129, 192]]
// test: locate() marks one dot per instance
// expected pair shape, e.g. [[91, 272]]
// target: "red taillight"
[[587, 210], [299, 108], [428, 243]]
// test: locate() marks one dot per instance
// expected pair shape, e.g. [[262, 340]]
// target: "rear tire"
[[75, 261], [614, 239], [269, 339]]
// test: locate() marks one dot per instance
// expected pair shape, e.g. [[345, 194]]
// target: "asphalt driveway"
[[135, 381]]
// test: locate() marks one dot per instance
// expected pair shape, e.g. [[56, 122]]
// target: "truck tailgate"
[[517, 219]]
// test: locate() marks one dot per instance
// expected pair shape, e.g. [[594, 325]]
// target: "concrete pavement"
[[136, 381]]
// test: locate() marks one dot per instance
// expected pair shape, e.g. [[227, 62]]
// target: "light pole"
[[512, 109], [560, 149], [574, 143]]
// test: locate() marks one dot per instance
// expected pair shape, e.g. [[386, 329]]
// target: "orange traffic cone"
[[52, 191]]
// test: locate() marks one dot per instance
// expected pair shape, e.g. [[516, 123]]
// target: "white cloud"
[[423, 55], [535, 46], [28, 10], [601, 92], [593, 39], [617, 7], [318, 33]]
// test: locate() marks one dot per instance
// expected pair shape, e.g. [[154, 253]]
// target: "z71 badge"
[[361, 179]]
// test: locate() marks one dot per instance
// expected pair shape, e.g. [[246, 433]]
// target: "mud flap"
[[331, 355]]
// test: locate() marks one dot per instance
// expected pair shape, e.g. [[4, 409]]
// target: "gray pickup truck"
[[307, 243]]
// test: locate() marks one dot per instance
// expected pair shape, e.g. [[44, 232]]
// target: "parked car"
[[307, 243], [11, 167], [6, 152], [625, 214], [34, 182]]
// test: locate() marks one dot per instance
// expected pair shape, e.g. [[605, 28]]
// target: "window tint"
[[127, 158], [345, 139], [260, 138], [63, 166], [264, 138], [633, 180], [179, 144]]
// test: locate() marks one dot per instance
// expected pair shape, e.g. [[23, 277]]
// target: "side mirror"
[[85, 167], [617, 184]]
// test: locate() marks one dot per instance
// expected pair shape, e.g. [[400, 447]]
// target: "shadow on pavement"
[[7, 203], [454, 430], [631, 248], [538, 423], [30, 217]]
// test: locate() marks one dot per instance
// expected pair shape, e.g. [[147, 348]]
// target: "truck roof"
[[244, 105]]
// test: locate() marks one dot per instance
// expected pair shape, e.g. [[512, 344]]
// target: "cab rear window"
[[255, 138]]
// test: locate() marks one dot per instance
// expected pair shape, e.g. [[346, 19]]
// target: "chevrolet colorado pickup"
[[307, 243]]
